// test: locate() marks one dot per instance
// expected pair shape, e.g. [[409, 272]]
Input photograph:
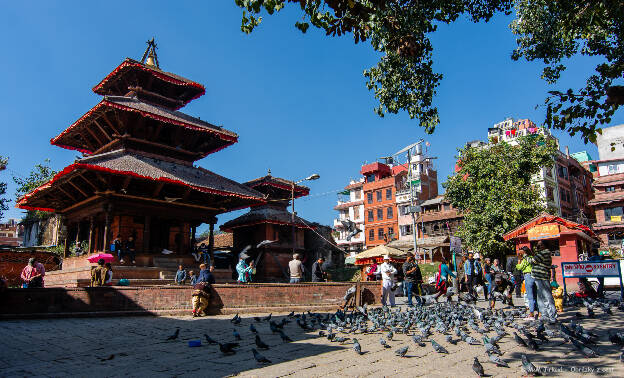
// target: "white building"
[[350, 207]]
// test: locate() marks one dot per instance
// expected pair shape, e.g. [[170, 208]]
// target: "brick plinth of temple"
[[176, 300]]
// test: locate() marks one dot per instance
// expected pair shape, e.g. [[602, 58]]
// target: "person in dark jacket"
[[318, 273], [412, 278], [205, 274], [517, 275]]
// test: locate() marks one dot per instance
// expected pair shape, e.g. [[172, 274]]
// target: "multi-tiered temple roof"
[[139, 153]]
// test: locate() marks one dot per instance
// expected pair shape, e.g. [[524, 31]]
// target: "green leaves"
[[41, 174], [3, 186], [495, 190]]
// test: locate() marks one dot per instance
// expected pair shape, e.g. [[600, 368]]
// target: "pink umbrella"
[[106, 256]]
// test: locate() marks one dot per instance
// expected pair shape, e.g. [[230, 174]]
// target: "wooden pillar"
[[66, 250], [211, 240], [146, 233], [193, 240], [78, 231], [90, 235], [107, 225]]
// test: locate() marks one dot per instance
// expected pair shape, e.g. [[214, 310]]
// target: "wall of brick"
[[12, 262], [225, 298]]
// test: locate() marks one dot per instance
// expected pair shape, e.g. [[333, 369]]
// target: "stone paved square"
[[137, 347]]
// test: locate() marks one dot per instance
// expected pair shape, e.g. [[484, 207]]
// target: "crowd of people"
[[529, 276]]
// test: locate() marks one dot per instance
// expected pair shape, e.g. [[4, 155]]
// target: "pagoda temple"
[[136, 177], [268, 228]]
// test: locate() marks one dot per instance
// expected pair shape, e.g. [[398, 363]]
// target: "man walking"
[[296, 269], [412, 277], [318, 273], [470, 272], [511, 268], [542, 261], [387, 285]]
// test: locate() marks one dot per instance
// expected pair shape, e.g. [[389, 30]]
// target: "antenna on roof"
[[150, 54]]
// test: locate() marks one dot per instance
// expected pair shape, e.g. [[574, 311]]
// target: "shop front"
[[568, 241]]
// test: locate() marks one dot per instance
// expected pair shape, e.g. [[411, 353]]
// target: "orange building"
[[380, 210]]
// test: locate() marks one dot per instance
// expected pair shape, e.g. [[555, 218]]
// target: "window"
[[611, 212], [406, 229], [548, 172], [390, 232], [389, 194], [379, 214], [371, 234], [369, 197], [389, 213], [370, 178], [357, 194], [563, 171], [356, 212], [613, 168], [370, 216], [380, 233], [610, 189], [378, 195]]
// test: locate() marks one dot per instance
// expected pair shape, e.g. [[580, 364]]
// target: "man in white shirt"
[[387, 275]]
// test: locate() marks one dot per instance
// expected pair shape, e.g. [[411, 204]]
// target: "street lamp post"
[[314, 176]]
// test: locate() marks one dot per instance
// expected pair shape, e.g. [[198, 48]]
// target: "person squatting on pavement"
[[388, 285], [200, 298]]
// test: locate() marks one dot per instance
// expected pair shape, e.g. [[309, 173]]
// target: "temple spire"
[[150, 54]]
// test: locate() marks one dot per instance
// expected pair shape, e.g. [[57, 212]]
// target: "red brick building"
[[380, 211]]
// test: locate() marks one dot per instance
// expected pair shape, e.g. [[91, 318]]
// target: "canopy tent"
[[376, 255]]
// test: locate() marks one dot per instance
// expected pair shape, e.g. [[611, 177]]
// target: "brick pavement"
[[75, 347]]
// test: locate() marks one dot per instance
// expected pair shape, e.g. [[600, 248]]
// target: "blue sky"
[[298, 101]]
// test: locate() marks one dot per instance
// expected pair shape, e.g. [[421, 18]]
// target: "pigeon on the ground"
[[228, 348], [107, 358], [528, 367], [209, 340], [257, 319], [175, 335], [449, 339], [260, 358], [477, 367], [252, 328], [384, 343], [401, 351], [438, 348], [236, 319], [357, 347], [497, 360], [284, 337], [266, 319], [260, 343], [520, 340], [237, 335]]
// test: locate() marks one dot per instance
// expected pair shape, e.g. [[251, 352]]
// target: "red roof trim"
[[229, 138], [158, 74], [75, 166], [546, 218]]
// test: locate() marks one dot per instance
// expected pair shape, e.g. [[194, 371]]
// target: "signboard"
[[455, 244], [543, 231], [616, 218], [606, 268], [581, 269]]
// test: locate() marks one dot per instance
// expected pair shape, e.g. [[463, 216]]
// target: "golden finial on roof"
[[150, 54]]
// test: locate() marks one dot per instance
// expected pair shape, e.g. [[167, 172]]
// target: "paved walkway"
[[137, 347]]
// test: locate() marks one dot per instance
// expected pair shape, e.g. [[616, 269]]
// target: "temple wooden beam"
[[107, 135], [110, 124], [157, 189], [94, 136], [92, 185], [77, 188]]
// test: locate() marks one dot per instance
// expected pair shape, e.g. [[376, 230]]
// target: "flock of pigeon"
[[456, 322]]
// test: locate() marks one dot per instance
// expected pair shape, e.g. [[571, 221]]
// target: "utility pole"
[[411, 196]]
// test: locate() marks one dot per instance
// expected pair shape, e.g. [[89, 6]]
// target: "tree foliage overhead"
[[39, 175], [403, 79], [3, 187], [494, 189], [547, 30], [555, 30]]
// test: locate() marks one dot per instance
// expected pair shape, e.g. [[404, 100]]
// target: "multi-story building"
[[608, 202], [566, 186], [380, 215], [424, 185], [10, 233], [437, 221], [351, 208]]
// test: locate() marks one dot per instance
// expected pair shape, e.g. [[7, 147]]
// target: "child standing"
[[180, 277], [192, 277]]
